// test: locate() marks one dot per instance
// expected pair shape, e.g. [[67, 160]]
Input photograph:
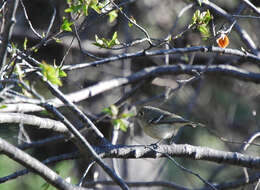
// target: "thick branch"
[[183, 151], [41, 123], [150, 72]]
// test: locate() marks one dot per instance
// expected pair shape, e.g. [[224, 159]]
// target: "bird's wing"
[[168, 119]]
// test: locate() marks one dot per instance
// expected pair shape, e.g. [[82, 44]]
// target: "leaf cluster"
[[201, 21], [118, 120], [52, 73], [106, 43]]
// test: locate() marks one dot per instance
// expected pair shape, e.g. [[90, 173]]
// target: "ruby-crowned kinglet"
[[160, 124]]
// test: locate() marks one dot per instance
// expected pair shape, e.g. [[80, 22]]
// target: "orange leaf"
[[223, 41]]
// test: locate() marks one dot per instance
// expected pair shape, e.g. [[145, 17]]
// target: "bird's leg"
[[156, 144]]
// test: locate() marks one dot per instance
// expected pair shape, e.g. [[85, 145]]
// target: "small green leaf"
[[208, 17], [25, 43], [98, 42], [112, 16], [204, 30], [66, 25], [85, 9], [130, 24], [62, 73], [57, 40], [34, 49], [199, 3], [195, 16], [14, 48], [107, 111], [96, 8], [3, 106], [104, 43], [114, 110], [127, 115], [113, 41], [121, 124], [73, 9]]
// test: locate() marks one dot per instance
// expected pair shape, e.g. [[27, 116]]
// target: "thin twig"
[[8, 30], [29, 22], [185, 169]]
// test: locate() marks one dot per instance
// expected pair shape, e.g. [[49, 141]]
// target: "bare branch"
[[206, 49], [251, 5], [184, 151], [41, 123], [150, 72], [8, 29]]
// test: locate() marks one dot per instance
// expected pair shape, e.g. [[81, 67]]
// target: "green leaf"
[[34, 49], [66, 25], [85, 9], [207, 18], [25, 43], [199, 3], [127, 115], [121, 124], [114, 110], [57, 40], [107, 111], [112, 16], [114, 40], [111, 111], [98, 42], [3, 106], [73, 9], [104, 43], [130, 24], [51, 73], [204, 30], [62, 73], [94, 5], [195, 16]]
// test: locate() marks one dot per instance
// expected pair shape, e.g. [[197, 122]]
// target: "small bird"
[[160, 124]]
